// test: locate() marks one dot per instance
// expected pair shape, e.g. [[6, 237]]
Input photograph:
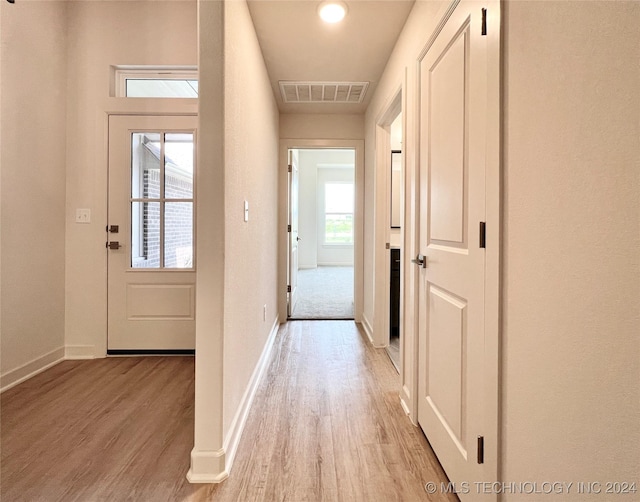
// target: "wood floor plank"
[[326, 425]]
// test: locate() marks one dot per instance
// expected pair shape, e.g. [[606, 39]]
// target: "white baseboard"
[[404, 406], [214, 466], [207, 467], [240, 419], [32, 368], [367, 328], [335, 264], [80, 352]]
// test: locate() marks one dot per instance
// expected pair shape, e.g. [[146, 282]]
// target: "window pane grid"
[[162, 227]]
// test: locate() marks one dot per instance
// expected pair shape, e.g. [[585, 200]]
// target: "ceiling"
[[298, 46]]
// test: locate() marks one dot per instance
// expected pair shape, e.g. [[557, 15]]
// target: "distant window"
[[156, 83], [338, 213]]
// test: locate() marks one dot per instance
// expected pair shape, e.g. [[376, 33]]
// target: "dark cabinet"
[[394, 307]]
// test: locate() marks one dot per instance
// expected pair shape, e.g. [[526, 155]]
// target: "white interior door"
[[150, 233], [294, 238], [453, 94]]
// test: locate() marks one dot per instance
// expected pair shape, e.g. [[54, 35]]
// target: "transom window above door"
[[162, 200], [146, 82]]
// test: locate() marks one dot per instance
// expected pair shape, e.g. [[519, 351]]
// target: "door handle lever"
[[420, 260]]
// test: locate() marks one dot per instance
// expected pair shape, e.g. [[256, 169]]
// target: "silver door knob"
[[420, 260]]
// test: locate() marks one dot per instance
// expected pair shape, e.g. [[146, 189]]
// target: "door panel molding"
[[143, 300], [447, 364]]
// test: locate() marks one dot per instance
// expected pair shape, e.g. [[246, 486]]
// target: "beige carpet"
[[324, 293]]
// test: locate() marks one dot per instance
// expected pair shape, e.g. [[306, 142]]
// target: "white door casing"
[[294, 238], [452, 375], [151, 269]]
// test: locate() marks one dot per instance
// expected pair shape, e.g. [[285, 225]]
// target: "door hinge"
[[484, 22], [288, 289], [288, 228], [483, 234], [289, 168], [481, 449]]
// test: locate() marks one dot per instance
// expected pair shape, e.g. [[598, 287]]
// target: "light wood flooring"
[[326, 425]]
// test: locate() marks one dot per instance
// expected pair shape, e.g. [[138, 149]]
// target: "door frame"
[[283, 209], [493, 254], [382, 231], [409, 239], [117, 106]]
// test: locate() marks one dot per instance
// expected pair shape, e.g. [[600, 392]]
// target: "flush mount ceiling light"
[[332, 12]]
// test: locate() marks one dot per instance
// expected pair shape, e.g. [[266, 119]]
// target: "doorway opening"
[[321, 233], [389, 237], [396, 205]]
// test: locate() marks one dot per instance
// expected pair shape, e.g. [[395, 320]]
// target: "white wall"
[[396, 133], [308, 210], [251, 248], [321, 126], [571, 277], [104, 33], [238, 124], [33, 110], [395, 184]]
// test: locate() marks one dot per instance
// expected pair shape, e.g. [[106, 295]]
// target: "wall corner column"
[[208, 455]]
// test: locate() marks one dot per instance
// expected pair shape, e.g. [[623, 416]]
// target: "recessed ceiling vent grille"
[[323, 92]]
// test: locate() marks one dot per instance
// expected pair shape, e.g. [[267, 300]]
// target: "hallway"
[[326, 424]]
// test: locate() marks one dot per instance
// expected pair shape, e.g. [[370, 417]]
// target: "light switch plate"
[[83, 215], [246, 210]]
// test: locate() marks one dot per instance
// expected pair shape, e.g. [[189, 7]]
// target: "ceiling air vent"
[[323, 92]]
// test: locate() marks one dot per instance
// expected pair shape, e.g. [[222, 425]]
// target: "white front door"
[[453, 101], [150, 234], [294, 238]]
